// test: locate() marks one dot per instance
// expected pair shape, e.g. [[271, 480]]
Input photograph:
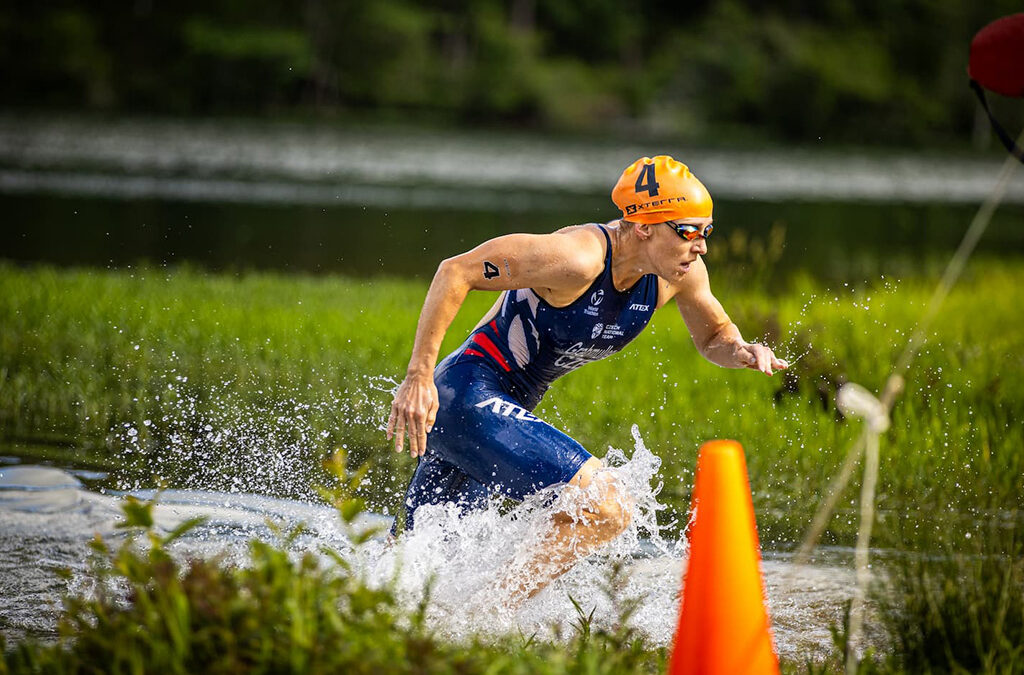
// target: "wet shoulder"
[[582, 250], [587, 236]]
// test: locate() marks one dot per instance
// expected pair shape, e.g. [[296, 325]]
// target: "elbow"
[[450, 269], [445, 268], [451, 274]]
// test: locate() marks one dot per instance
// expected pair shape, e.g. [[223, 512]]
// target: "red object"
[[723, 622], [489, 347], [997, 56]]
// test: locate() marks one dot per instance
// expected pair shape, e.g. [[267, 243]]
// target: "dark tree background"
[[844, 70]]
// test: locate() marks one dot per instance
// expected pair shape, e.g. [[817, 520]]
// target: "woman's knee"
[[608, 505], [602, 498], [616, 509]]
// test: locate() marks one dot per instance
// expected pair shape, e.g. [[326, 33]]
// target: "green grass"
[[254, 353], [297, 363], [961, 611]]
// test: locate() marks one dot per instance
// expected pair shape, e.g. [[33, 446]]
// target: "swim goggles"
[[691, 232]]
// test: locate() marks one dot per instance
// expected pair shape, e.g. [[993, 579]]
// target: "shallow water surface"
[[48, 516]]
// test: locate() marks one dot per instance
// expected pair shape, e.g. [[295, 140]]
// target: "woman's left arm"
[[717, 338]]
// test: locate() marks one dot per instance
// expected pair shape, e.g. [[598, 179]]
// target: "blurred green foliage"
[[733, 69]]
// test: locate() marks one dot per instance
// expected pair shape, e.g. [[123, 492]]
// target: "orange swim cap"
[[660, 189]]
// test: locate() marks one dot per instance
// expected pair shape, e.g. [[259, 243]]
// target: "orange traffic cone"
[[723, 622]]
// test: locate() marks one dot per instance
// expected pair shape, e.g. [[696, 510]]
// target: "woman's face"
[[672, 252]]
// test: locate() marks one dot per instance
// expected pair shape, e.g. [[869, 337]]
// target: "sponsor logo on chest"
[[596, 298], [612, 331], [578, 355]]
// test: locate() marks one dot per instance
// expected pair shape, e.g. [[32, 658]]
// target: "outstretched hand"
[[413, 412], [759, 357]]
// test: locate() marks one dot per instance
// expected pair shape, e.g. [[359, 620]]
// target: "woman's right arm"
[[556, 260]]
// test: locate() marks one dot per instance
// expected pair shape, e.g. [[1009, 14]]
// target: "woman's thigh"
[[484, 432]]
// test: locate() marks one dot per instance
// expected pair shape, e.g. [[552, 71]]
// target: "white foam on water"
[[461, 558], [464, 558]]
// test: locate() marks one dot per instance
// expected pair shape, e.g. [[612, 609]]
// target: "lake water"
[[365, 201]]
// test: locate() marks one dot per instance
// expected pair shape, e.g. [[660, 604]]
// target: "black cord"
[[1007, 140]]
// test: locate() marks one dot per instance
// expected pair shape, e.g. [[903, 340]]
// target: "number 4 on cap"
[[646, 182]]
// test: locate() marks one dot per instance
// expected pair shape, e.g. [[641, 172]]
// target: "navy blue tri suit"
[[485, 438]]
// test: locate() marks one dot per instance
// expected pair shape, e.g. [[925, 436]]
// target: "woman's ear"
[[643, 230]]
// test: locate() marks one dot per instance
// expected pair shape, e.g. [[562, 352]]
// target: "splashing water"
[[463, 557], [221, 439], [204, 437]]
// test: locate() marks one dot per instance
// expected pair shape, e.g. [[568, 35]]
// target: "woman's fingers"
[[412, 414], [417, 439], [432, 415], [391, 423], [411, 424], [761, 358], [421, 425], [399, 432], [755, 357]]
